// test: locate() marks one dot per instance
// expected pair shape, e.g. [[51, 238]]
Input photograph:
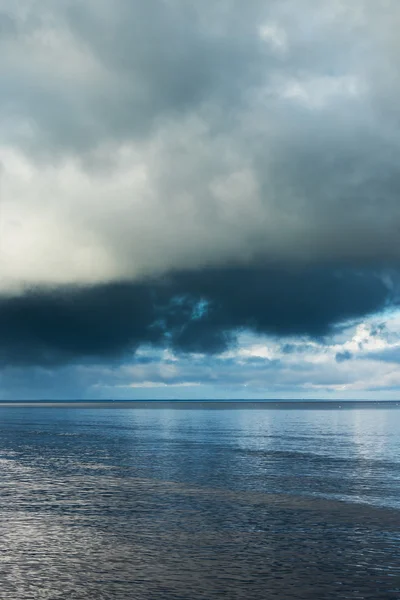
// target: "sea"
[[200, 501]]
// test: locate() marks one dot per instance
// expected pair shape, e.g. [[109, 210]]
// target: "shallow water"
[[186, 504]]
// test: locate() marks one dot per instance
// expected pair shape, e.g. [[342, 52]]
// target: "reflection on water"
[[132, 504]]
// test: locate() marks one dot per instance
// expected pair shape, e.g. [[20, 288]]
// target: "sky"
[[199, 199]]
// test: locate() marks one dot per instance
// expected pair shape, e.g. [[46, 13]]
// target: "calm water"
[[186, 504]]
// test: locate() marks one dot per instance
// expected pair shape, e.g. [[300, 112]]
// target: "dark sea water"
[[185, 504]]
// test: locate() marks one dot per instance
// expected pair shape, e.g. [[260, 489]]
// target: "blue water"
[[175, 504]]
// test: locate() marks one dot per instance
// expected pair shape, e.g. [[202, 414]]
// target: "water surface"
[[186, 504]]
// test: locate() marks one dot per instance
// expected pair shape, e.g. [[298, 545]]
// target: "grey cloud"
[[388, 355], [343, 356], [300, 347], [251, 151], [191, 312], [146, 62], [7, 26], [190, 154]]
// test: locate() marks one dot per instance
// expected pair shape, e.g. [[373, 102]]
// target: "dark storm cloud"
[[53, 327], [157, 142], [190, 312], [286, 302]]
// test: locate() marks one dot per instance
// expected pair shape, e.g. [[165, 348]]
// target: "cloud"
[[256, 366], [343, 356], [193, 312], [390, 355], [174, 172]]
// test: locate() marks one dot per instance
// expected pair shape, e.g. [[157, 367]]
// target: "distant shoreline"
[[207, 404]]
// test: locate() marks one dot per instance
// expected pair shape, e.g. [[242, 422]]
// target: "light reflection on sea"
[[181, 504]]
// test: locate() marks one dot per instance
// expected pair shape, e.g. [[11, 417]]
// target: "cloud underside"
[[196, 312], [174, 172]]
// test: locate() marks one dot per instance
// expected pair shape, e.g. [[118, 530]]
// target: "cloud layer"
[[195, 312], [258, 367], [173, 172]]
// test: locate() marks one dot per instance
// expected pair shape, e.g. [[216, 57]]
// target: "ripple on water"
[[114, 513]]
